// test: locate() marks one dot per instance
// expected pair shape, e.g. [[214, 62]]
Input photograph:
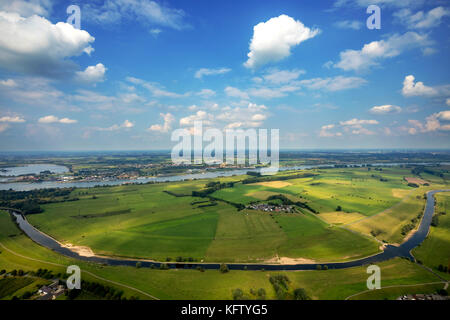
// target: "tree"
[[238, 294], [435, 221], [338, 208], [73, 294], [27, 295], [300, 294], [443, 292], [224, 268], [138, 264], [261, 293]]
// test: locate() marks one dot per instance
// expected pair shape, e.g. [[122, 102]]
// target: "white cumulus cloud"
[[200, 115], [357, 122], [206, 93], [8, 83], [12, 119], [282, 76], [92, 74], [210, 72], [236, 93], [53, 119], [166, 126], [432, 123], [34, 45], [115, 127], [372, 53], [27, 8], [385, 109], [272, 40], [421, 19], [411, 88], [337, 83]]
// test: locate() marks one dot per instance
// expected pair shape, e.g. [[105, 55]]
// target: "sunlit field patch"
[[339, 217], [274, 184]]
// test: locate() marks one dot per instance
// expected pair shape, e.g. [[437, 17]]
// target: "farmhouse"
[[52, 291], [271, 208]]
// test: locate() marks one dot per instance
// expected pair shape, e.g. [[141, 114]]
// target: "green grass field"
[[144, 221], [19, 252], [354, 189], [388, 224]]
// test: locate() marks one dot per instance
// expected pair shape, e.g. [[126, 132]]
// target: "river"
[[404, 250]]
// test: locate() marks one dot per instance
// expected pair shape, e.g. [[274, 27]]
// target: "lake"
[[32, 169]]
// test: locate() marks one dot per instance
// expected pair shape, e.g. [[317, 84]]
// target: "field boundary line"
[[88, 272], [397, 286]]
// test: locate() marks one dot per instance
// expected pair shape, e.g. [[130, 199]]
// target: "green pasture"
[[354, 189], [435, 250], [193, 284], [163, 221]]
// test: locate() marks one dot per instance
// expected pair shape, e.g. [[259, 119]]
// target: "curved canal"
[[404, 250]]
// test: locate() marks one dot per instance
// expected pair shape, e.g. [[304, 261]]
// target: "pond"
[[32, 169]]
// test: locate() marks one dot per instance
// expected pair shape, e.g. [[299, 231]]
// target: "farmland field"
[[19, 252], [336, 210], [435, 250], [165, 222]]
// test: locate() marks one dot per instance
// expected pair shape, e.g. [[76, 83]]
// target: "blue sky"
[[139, 69]]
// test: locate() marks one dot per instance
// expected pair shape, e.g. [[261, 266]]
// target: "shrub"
[[280, 285], [238, 294], [435, 221], [443, 292], [224, 268], [73, 294], [261, 293], [27, 295], [300, 294]]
